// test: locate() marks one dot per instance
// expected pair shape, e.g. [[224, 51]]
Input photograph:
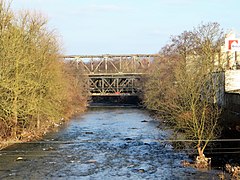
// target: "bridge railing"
[[111, 64]]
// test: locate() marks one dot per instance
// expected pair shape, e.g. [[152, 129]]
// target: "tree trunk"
[[38, 121], [15, 117], [201, 160], [200, 153]]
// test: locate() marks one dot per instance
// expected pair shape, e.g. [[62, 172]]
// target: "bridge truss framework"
[[113, 75]]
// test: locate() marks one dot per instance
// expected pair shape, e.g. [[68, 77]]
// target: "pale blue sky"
[[128, 26]]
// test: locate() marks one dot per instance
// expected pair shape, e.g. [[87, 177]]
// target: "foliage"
[[183, 85], [35, 91]]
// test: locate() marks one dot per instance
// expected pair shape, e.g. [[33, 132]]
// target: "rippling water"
[[103, 143]]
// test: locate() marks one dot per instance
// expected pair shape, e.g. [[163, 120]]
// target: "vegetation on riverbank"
[[38, 89], [183, 85]]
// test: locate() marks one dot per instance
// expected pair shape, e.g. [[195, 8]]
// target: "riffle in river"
[[103, 143]]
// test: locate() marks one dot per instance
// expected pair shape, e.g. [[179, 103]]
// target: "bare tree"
[[35, 86], [183, 90]]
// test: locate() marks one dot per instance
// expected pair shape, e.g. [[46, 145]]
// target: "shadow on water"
[[103, 143], [115, 101]]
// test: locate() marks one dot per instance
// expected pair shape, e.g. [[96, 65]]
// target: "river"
[[103, 143]]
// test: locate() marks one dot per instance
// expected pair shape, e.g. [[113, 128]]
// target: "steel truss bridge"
[[113, 75]]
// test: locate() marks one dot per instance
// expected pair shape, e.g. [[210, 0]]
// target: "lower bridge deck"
[[115, 84]]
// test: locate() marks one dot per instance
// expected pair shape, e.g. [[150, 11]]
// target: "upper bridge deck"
[[113, 75]]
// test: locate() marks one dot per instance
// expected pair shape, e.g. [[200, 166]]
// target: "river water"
[[103, 143]]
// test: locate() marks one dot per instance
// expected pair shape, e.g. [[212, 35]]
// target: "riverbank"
[[36, 134], [222, 151], [29, 136]]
